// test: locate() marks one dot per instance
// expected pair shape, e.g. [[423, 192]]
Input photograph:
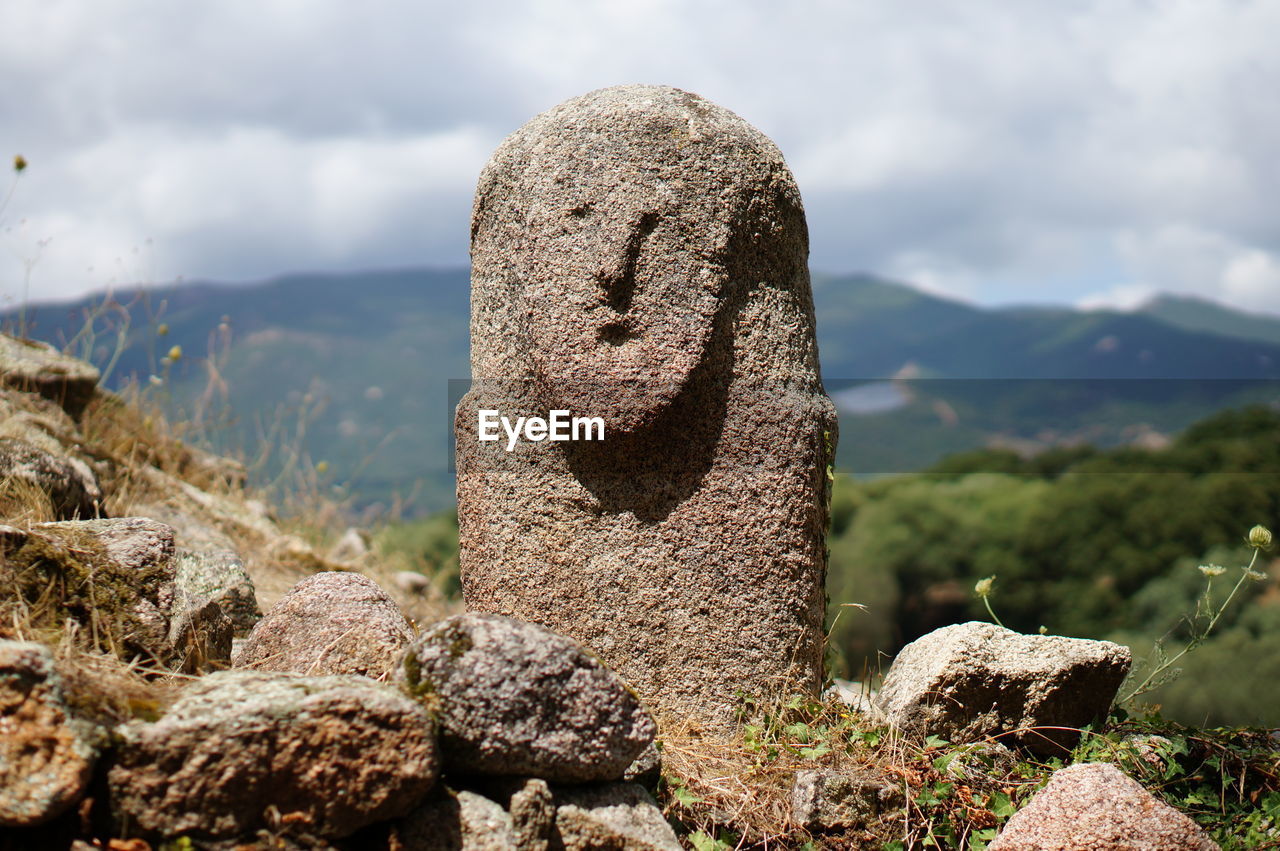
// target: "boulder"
[[517, 699], [971, 681], [1097, 807], [46, 756], [330, 623], [37, 367], [326, 754], [823, 799], [614, 817], [69, 483]]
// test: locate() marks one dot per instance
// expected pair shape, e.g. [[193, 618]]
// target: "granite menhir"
[[639, 254]]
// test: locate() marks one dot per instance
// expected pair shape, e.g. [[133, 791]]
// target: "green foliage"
[[430, 545], [1090, 543], [1226, 779]]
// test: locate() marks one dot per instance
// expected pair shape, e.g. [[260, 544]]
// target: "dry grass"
[[23, 503]]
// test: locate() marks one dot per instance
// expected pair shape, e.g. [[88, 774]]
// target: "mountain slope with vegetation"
[[351, 372]]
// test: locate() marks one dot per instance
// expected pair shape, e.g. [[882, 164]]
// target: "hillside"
[[354, 370], [1197, 314]]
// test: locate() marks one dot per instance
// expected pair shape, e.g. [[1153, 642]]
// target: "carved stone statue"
[[639, 255]]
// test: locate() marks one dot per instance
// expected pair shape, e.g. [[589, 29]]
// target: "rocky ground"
[[180, 670]]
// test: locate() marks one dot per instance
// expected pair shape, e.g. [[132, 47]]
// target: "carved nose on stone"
[[617, 277]]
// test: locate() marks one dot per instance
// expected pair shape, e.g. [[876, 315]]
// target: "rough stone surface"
[[1096, 807], [46, 756], [456, 821], [40, 368], [976, 680], [616, 817], [328, 754], [330, 623], [114, 579], [218, 576], [69, 483], [517, 699], [639, 254], [822, 799]]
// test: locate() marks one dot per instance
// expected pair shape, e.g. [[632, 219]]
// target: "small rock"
[[37, 367], [645, 769], [69, 483], [1096, 807], [617, 816], [326, 754], [971, 681], [330, 623], [533, 815], [517, 699], [353, 546], [46, 757], [411, 581], [456, 821], [857, 696], [822, 799]]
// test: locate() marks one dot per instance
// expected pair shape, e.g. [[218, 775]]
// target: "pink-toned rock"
[[639, 254], [1097, 807], [330, 623], [327, 754], [45, 754]]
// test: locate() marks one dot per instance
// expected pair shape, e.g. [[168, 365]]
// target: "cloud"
[[1024, 152]]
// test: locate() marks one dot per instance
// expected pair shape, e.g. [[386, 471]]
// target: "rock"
[[533, 815], [517, 699], [616, 817], [639, 255], [456, 821], [353, 546], [217, 576], [46, 756], [69, 483], [822, 799], [330, 623], [645, 769], [1096, 807], [37, 367], [328, 754], [116, 580], [970, 681], [411, 581]]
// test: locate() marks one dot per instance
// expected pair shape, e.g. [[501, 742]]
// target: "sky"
[[1085, 152]]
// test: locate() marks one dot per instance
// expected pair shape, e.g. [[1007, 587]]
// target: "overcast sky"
[[1084, 152]]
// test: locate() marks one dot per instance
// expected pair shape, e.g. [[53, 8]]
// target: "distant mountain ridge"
[[356, 367]]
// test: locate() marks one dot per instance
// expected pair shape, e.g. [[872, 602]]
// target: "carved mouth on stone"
[[615, 333]]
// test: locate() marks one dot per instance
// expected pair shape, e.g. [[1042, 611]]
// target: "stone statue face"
[[622, 287]]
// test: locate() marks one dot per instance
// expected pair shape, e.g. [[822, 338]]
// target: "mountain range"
[[355, 374]]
